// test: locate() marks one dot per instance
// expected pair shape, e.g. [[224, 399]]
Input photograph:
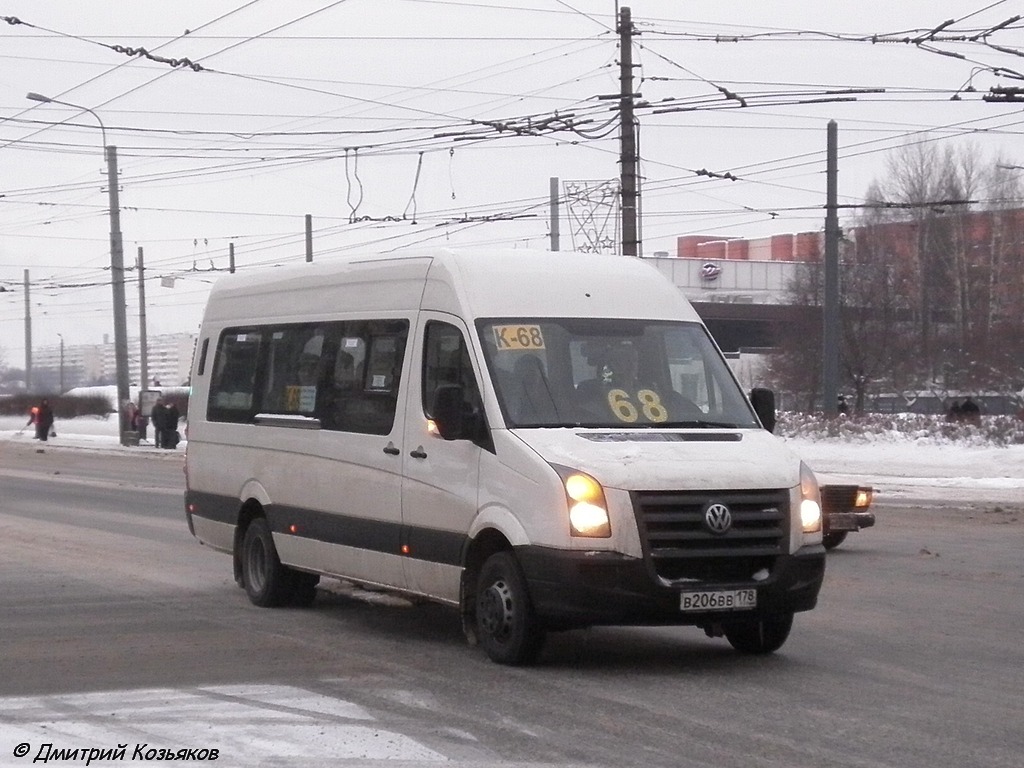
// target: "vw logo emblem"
[[717, 518]]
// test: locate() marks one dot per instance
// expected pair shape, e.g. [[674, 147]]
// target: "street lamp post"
[[61, 363], [116, 267]]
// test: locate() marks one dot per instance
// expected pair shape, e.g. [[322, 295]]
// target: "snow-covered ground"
[[83, 432], [912, 469], [899, 469]]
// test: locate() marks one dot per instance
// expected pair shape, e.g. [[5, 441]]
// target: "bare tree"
[[878, 286], [794, 369], [932, 283], [1005, 305], [913, 180], [966, 228]]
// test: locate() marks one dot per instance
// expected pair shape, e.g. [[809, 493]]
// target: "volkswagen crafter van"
[[541, 440]]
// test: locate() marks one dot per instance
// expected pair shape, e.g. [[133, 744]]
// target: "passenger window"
[[346, 374], [446, 361], [233, 383], [297, 366], [350, 364], [362, 392]]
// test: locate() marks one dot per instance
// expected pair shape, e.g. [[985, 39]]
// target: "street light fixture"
[[32, 96], [116, 267]]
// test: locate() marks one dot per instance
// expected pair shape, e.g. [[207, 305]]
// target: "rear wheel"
[[758, 636], [303, 588], [506, 625], [266, 581]]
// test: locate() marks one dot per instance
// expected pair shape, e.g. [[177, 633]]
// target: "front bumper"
[[848, 521], [844, 508], [571, 589]]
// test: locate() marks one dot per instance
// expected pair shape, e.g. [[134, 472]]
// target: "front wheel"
[[506, 625], [759, 636]]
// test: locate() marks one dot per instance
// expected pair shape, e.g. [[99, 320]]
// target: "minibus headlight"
[[810, 501], [588, 512]]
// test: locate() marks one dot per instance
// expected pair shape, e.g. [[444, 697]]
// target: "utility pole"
[[830, 361], [28, 338], [116, 265], [627, 144], [231, 258], [309, 237], [61, 391], [143, 347], [555, 234], [117, 288]]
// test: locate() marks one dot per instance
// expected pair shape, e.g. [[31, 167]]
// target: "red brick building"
[[948, 285], [804, 246]]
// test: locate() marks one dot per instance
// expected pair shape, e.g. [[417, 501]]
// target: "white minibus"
[[541, 440]]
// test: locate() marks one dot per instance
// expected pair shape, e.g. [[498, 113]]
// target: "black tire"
[[759, 636], [506, 625], [303, 588], [833, 540], [266, 581]]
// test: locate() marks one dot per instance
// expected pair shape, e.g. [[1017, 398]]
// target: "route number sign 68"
[[518, 337], [647, 402]]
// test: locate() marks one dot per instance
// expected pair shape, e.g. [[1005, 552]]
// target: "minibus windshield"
[[614, 373]]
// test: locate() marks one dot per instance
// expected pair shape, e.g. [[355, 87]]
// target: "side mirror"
[[763, 401], [447, 412]]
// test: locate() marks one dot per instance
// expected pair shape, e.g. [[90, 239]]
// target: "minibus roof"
[[524, 283], [470, 282]]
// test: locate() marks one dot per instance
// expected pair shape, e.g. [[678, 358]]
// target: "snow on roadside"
[[914, 456], [914, 469], [897, 465]]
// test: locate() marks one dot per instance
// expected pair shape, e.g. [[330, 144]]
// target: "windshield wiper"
[[700, 424], [640, 426]]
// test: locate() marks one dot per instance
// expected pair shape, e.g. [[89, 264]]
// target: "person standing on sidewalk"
[[42, 416], [159, 418], [33, 420], [171, 416]]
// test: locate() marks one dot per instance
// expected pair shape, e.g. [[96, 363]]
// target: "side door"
[[344, 473], [440, 488]]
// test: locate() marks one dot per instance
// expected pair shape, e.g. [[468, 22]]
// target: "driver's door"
[[441, 477]]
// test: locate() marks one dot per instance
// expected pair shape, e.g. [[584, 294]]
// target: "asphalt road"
[[118, 628]]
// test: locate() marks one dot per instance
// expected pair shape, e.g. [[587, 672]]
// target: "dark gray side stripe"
[[429, 544]]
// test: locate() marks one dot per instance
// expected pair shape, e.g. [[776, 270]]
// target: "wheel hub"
[[495, 610]]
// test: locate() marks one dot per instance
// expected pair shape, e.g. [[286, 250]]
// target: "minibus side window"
[[233, 383], [361, 390], [297, 362]]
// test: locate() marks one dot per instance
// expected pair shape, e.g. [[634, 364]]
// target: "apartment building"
[[59, 367]]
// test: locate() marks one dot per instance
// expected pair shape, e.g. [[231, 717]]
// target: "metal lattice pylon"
[[593, 210]]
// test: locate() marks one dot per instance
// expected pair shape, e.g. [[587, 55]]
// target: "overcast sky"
[[239, 118]]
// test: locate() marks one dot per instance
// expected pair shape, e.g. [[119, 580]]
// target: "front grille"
[[679, 545], [838, 498]]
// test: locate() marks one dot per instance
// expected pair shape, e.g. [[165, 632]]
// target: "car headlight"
[[588, 511], [863, 498], [810, 500]]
